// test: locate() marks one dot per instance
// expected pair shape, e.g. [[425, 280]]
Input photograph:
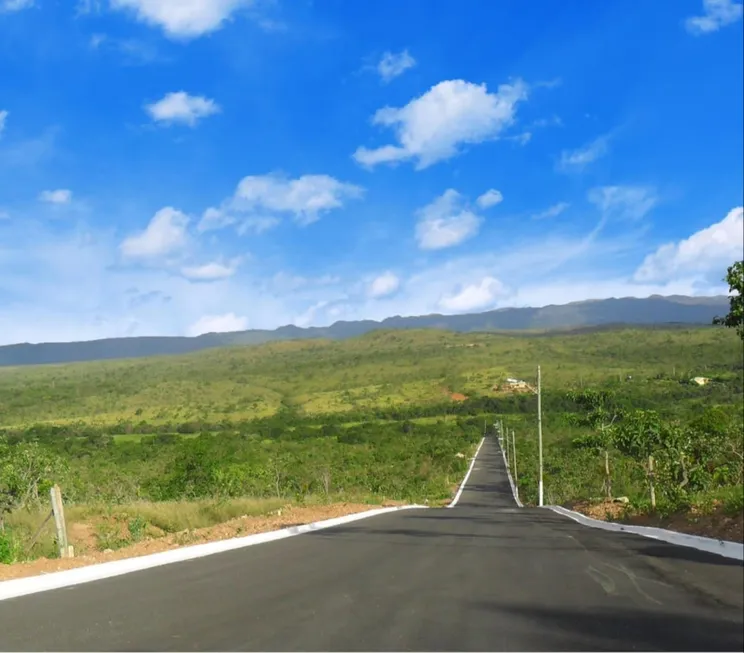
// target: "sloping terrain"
[[647, 311]]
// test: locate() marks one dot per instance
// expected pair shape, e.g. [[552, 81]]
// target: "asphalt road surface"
[[483, 576]]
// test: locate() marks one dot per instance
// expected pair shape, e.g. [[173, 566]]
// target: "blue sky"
[[172, 167]]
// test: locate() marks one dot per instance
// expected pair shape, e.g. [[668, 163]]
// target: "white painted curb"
[[454, 501], [732, 550], [31, 585], [511, 480]]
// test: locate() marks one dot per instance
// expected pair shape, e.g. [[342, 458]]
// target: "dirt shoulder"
[[288, 516], [716, 524]]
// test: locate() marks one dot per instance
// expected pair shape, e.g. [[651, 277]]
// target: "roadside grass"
[[101, 526]]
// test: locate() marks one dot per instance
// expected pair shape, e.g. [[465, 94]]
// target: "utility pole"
[[539, 438]]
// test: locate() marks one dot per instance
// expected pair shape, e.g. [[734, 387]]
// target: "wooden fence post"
[[608, 477], [651, 481], [516, 477], [59, 522], [505, 448]]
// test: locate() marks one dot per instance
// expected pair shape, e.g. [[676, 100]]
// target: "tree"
[[735, 317], [27, 471], [601, 413]]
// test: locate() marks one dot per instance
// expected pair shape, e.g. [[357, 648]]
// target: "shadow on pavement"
[[623, 630], [518, 529]]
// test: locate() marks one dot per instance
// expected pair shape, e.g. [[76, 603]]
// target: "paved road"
[[484, 576]]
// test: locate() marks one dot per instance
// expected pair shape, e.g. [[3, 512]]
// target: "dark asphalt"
[[483, 576]]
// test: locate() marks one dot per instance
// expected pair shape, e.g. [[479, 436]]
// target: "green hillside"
[[391, 415], [380, 369]]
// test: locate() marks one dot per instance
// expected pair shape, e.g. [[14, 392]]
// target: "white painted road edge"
[[511, 480], [733, 550], [454, 501], [22, 586]]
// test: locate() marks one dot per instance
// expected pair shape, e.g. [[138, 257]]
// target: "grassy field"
[[387, 416]]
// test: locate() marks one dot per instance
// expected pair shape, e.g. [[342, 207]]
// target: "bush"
[[10, 547]]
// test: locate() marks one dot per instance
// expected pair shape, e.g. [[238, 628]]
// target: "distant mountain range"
[[648, 311]]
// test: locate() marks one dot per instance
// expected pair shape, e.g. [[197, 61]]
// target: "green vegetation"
[[735, 317], [366, 420]]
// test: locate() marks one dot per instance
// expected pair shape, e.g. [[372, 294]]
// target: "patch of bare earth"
[[83, 536], [716, 524]]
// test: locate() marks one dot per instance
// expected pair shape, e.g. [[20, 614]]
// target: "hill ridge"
[[655, 309]]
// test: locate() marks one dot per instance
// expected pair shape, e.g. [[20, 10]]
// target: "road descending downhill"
[[482, 576]]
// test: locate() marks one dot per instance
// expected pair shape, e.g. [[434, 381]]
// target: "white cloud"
[[552, 212], [580, 158], [392, 65], [446, 222], [490, 198], [214, 218], [183, 18], [64, 285], [211, 271], [307, 318], [258, 198], [481, 295], [384, 285], [59, 196], [15, 5], [432, 127], [132, 51], [624, 202], [166, 233], [257, 224], [180, 107], [708, 251], [716, 14], [3, 119], [522, 139], [218, 324]]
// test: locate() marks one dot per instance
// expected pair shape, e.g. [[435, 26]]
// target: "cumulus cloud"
[[218, 324], [576, 160], [180, 107], [257, 224], [707, 252], [384, 285], [393, 65], [434, 126], [182, 19], [59, 196], [66, 284], [165, 234], [490, 198], [259, 199], [624, 202], [483, 294], [446, 222], [3, 119], [551, 212], [716, 14], [211, 271]]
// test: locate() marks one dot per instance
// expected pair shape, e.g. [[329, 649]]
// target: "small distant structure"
[[700, 380], [513, 385]]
